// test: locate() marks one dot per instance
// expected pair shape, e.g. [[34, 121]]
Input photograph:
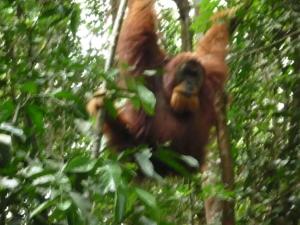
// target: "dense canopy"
[[52, 57]]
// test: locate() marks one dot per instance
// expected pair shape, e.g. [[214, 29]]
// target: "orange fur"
[[93, 106], [96, 103], [137, 44], [181, 103], [212, 50], [183, 120], [214, 43]]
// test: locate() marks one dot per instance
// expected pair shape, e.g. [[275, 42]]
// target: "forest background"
[[52, 56]]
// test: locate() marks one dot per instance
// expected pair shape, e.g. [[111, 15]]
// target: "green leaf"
[[42, 207], [109, 106], [110, 177], [146, 221], [131, 200], [143, 159], [147, 99], [34, 171], [189, 160], [74, 217], [29, 87], [131, 84], [202, 22], [5, 151], [49, 12], [120, 205], [47, 179], [75, 19], [146, 197], [135, 101], [80, 202], [6, 183], [173, 160], [84, 126], [67, 95], [13, 130], [65, 205], [80, 164], [6, 110], [36, 114], [217, 190]]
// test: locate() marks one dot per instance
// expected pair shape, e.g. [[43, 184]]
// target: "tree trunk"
[[186, 34], [114, 5], [210, 176], [226, 157]]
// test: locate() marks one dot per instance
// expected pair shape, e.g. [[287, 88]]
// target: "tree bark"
[[214, 207], [114, 6], [186, 34], [226, 157], [115, 34], [210, 176]]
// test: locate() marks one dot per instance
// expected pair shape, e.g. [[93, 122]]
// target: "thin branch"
[[115, 34], [108, 65]]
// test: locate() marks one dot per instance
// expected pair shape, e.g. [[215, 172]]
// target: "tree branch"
[[108, 65], [186, 34], [226, 156]]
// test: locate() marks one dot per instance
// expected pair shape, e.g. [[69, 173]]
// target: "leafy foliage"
[[47, 173]]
